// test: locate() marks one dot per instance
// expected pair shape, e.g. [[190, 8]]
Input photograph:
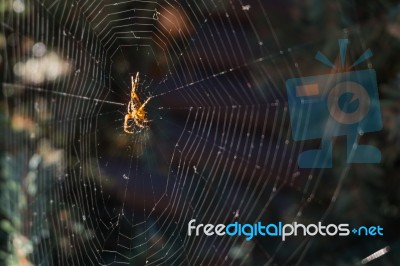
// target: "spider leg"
[[126, 123], [140, 121], [134, 83], [145, 102], [129, 107], [126, 126], [138, 124]]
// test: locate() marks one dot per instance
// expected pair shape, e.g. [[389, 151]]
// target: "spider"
[[136, 110]]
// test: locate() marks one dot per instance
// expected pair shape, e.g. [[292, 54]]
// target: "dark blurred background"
[[77, 190]]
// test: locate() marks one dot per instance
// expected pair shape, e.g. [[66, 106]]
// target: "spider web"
[[218, 149]]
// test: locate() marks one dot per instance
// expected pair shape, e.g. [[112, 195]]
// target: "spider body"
[[136, 111]]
